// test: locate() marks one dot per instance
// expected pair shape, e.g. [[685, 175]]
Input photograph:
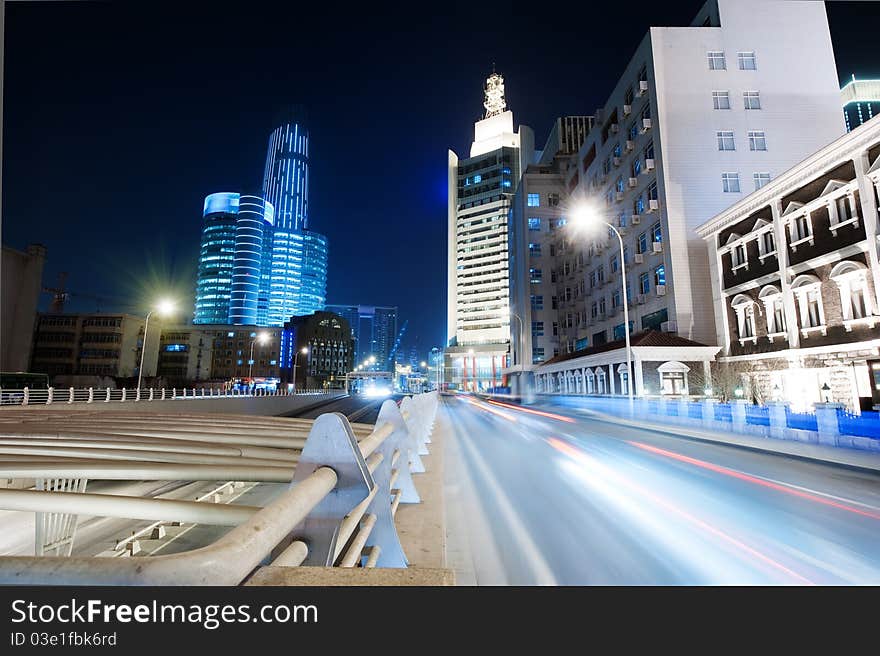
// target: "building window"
[[644, 283], [725, 140], [738, 256], [602, 306], [535, 276], [761, 179], [534, 250], [537, 302], [757, 140], [660, 276], [744, 307], [534, 223], [615, 299], [801, 228], [747, 61], [620, 185], [721, 99], [594, 310], [657, 232], [730, 183], [845, 209], [615, 264], [553, 200], [767, 243], [752, 99], [600, 274], [555, 329], [716, 60], [643, 243], [534, 200], [852, 283], [537, 329], [807, 290], [774, 310]]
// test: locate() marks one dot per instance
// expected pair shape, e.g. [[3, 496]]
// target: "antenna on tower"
[[494, 91]]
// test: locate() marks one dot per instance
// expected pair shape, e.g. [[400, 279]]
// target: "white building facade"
[[701, 116]]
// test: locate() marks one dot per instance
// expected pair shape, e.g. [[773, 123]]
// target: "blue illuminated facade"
[[286, 176], [252, 230], [216, 257]]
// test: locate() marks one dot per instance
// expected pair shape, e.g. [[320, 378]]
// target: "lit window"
[[657, 232], [660, 275], [534, 200], [725, 140], [757, 140], [747, 61], [644, 283], [478, 178], [761, 179], [535, 275], [721, 99], [534, 250], [716, 60], [730, 183], [751, 99], [643, 242], [534, 223], [745, 317], [537, 302]]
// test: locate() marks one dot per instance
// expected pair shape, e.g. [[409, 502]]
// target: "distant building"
[[93, 345], [327, 338], [373, 330], [22, 283], [481, 188], [253, 233], [861, 101], [216, 257], [795, 278]]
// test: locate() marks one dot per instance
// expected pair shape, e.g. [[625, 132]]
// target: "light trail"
[[780, 487], [540, 413], [580, 456], [503, 415]]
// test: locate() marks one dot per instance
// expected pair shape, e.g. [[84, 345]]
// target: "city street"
[[544, 495]]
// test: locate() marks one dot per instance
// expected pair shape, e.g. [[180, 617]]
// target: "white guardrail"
[[345, 485], [109, 394]]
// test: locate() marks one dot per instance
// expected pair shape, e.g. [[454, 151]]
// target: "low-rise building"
[[329, 351], [795, 277], [22, 277]]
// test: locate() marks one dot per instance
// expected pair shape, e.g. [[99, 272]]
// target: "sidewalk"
[[853, 458]]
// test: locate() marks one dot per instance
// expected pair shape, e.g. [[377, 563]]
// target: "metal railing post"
[[26, 396], [91, 395], [137, 395], [107, 397], [151, 394], [50, 395], [163, 393], [70, 397], [123, 394]]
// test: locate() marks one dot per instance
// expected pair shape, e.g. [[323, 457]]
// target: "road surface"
[[539, 495]]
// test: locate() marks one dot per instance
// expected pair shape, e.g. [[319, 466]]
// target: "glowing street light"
[[263, 339], [588, 216], [305, 351], [164, 307]]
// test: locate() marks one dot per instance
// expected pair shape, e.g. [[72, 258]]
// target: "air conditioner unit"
[[649, 164], [646, 125], [633, 182], [627, 110], [638, 258], [636, 219], [661, 290], [619, 196], [653, 205], [630, 146], [643, 87], [615, 161], [657, 246], [615, 128]]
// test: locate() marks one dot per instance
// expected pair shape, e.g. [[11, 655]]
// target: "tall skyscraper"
[[252, 229], [214, 285], [373, 330], [861, 101], [297, 282], [480, 191]]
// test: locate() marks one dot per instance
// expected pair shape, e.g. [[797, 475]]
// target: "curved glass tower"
[[313, 294], [252, 229], [286, 177], [216, 258]]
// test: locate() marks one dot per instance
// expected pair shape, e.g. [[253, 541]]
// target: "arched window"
[[601, 388], [673, 378], [855, 298], [623, 372], [744, 307], [591, 382], [807, 290], [774, 308]]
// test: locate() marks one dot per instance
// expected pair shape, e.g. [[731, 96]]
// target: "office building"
[[253, 229], [537, 214], [93, 345], [861, 101], [795, 278], [286, 175], [481, 188], [373, 330], [326, 337], [701, 116], [20, 289]]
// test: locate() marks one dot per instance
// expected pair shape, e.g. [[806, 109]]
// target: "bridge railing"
[[346, 482], [110, 394]]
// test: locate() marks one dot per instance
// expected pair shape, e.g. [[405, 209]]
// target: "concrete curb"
[[849, 458]]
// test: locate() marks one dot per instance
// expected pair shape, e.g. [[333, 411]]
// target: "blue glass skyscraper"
[[216, 257], [253, 228]]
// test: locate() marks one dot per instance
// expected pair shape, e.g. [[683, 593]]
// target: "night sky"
[[120, 117]]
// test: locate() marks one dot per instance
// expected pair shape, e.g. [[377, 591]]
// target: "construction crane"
[[390, 363], [60, 296]]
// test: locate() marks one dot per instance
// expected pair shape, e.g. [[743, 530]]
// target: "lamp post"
[[521, 334], [262, 338], [164, 307], [304, 350], [586, 215]]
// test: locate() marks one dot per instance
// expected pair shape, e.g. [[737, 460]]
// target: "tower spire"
[[494, 91]]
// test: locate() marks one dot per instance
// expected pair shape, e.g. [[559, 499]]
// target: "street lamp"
[[305, 351], [586, 216], [164, 308], [262, 338]]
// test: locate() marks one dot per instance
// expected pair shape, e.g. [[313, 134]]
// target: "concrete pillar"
[[91, 395], [71, 395], [611, 379], [780, 234], [708, 408], [123, 394], [50, 395], [638, 378], [868, 209], [738, 414], [827, 423], [707, 374], [778, 418]]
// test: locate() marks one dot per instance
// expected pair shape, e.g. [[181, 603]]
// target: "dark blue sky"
[[120, 117]]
